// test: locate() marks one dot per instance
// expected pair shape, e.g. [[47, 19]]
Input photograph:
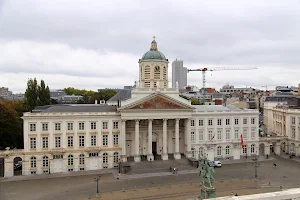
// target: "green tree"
[[31, 94], [102, 95], [43, 94], [36, 94], [11, 133]]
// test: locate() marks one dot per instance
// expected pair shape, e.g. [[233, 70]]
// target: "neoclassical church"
[[146, 123]]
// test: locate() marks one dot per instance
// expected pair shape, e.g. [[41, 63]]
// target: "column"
[[137, 157], [150, 156], [164, 156], [123, 141], [177, 153], [188, 153]]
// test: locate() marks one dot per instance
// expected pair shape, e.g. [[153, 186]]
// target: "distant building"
[[8, 95], [5, 92], [179, 74], [62, 97]]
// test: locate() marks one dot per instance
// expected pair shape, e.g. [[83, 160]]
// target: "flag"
[[242, 141], [212, 138]]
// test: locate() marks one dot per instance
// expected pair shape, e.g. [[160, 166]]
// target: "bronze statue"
[[206, 172]]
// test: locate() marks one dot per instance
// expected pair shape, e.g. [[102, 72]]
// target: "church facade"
[[152, 122]]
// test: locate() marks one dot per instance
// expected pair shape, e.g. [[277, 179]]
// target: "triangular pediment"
[[157, 102]]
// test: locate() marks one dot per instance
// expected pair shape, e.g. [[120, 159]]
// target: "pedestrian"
[[236, 194], [170, 169], [274, 165], [267, 156], [231, 193]]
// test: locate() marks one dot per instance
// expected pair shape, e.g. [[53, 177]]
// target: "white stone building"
[[154, 123]]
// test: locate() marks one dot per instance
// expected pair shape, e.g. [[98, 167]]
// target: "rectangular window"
[[192, 137], [81, 126], [201, 122], [104, 125], [210, 135], [245, 121], [115, 125], [93, 140], [93, 126], [44, 127], [70, 141], [252, 120], [81, 141], [219, 122], [293, 120], [116, 139], [227, 121], [57, 142], [45, 142], [32, 127], [105, 140], [57, 126], [227, 134], [32, 143], [210, 122], [236, 133], [236, 121], [219, 134], [245, 133], [201, 135], [293, 132], [70, 126], [253, 132], [192, 123]]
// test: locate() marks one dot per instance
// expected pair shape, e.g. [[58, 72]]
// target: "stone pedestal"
[[150, 157], [123, 158], [137, 158], [164, 156], [177, 156], [207, 192]]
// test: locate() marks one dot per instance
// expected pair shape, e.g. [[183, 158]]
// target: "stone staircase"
[[144, 167]]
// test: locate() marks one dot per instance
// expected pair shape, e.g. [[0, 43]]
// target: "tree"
[[102, 95], [43, 94], [11, 133], [37, 94], [31, 94]]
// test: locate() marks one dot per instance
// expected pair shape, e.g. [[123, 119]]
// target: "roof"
[[75, 108], [152, 54], [203, 108], [121, 95]]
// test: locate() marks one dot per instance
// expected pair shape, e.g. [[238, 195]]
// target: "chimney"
[[96, 102], [299, 89]]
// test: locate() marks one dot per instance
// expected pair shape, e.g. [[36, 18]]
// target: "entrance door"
[[58, 165], [128, 149], [154, 148]]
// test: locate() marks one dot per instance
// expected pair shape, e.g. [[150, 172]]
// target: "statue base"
[[207, 192]]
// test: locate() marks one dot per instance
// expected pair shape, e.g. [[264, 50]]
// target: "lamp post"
[[256, 165], [97, 178]]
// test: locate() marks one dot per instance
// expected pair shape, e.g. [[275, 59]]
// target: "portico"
[[155, 137]]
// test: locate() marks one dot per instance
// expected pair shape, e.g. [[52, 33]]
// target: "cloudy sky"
[[96, 44]]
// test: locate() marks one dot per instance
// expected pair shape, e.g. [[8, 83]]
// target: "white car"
[[218, 163]]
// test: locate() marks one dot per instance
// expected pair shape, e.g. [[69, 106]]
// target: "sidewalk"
[[60, 175], [285, 156]]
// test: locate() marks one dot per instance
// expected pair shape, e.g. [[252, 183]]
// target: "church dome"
[[153, 53]]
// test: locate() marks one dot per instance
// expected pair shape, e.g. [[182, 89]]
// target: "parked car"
[[211, 163], [218, 163]]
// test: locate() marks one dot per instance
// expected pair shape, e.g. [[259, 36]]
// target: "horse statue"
[[207, 173]]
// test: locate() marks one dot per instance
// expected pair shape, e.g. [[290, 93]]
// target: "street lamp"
[[97, 178], [256, 165]]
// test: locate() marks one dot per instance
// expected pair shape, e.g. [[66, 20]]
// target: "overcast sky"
[[95, 44]]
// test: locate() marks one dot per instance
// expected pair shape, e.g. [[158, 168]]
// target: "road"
[[81, 187]]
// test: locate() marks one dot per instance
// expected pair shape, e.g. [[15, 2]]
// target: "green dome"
[[153, 53]]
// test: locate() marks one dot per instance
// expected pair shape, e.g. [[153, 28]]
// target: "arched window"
[[245, 149], [33, 162], [81, 159], [105, 158], [70, 160], [219, 151], [116, 157], [227, 150], [45, 161], [201, 151], [252, 148]]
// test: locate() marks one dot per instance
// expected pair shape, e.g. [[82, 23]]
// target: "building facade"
[[154, 123], [179, 74]]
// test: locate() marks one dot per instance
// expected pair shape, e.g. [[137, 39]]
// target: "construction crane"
[[204, 70]]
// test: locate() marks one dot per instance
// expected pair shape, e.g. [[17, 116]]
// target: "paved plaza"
[[83, 187]]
